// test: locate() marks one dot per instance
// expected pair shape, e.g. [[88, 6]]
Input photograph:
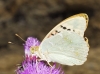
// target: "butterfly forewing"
[[77, 23]]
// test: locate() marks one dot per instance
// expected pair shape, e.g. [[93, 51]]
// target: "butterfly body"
[[65, 43]]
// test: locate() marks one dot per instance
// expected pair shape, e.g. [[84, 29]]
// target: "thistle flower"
[[33, 66]]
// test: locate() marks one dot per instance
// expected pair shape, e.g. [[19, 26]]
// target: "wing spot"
[[61, 26], [57, 31], [52, 34], [86, 18], [64, 28], [69, 29]]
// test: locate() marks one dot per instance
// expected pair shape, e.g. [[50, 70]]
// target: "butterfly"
[[65, 43]]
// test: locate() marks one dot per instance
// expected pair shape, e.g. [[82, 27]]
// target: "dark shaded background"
[[36, 18]]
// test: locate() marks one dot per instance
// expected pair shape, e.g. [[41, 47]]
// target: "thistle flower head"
[[37, 67], [34, 66]]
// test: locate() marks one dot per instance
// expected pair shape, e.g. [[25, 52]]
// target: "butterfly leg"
[[47, 60], [49, 64], [50, 67]]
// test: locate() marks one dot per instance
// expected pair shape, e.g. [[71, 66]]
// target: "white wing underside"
[[77, 23], [67, 48]]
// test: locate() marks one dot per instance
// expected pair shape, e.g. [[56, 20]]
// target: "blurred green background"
[[36, 18]]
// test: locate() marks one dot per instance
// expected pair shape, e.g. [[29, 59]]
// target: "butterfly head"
[[31, 46]]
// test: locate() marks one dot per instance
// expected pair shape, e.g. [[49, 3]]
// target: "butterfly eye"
[[33, 49]]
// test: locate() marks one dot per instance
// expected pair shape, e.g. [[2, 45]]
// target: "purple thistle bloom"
[[33, 66]]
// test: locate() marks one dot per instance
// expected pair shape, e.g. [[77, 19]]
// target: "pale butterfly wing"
[[65, 43], [77, 23], [66, 48]]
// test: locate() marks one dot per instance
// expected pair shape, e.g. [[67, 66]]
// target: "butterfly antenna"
[[20, 37]]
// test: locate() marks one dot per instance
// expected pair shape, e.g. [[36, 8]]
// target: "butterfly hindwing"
[[65, 48]]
